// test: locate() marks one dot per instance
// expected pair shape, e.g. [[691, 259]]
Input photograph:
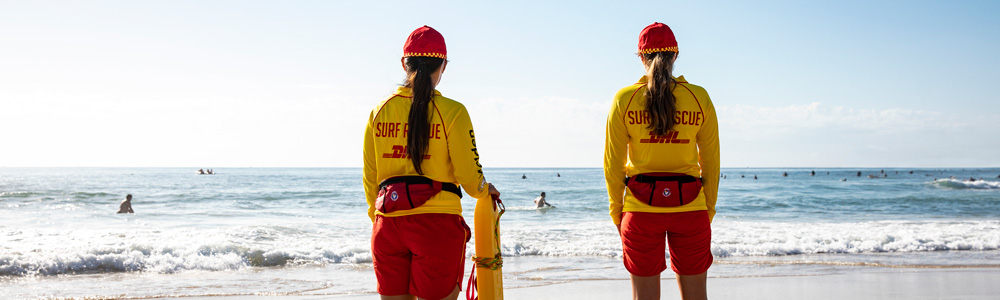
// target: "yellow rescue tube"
[[489, 275]]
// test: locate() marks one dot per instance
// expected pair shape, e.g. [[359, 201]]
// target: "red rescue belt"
[[494, 262]]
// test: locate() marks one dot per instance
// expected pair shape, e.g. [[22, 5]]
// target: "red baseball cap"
[[425, 41], [657, 37]]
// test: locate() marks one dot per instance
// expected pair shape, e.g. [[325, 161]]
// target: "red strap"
[[470, 289]]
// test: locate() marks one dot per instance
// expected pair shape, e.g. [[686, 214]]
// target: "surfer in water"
[[418, 242], [126, 206], [540, 201], [662, 132]]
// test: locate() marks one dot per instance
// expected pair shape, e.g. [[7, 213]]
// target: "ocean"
[[285, 231]]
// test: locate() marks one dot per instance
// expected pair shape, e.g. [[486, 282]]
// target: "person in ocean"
[[661, 167], [419, 147], [540, 201], [126, 206]]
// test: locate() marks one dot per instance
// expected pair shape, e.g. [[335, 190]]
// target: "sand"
[[910, 283]]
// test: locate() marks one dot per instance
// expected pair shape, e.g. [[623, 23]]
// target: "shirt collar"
[[407, 92], [679, 79]]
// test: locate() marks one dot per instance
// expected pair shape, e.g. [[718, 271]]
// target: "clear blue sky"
[[290, 83]]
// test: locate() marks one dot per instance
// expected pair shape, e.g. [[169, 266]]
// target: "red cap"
[[657, 37], [425, 41]]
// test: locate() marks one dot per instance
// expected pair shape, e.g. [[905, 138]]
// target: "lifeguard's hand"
[[494, 191]]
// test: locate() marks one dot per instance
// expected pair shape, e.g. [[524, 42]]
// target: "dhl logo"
[[399, 151], [670, 138]]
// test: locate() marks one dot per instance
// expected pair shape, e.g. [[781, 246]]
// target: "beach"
[[303, 233], [908, 284], [846, 283]]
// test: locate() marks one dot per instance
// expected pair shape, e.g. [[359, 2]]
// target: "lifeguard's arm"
[[708, 155], [465, 155], [615, 156], [369, 174]]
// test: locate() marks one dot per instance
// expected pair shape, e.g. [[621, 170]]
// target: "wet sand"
[[947, 283]]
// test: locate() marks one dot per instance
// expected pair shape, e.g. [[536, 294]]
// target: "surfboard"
[[489, 263]]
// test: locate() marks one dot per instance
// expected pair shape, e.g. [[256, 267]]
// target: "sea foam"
[[966, 184], [91, 251], [742, 238]]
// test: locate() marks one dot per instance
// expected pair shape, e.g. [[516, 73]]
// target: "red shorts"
[[688, 233], [421, 255]]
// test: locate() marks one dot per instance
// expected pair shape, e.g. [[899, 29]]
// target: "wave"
[[23, 194], [32, 252], [168, 260], [522, 208], [95, 195], [83, 251], [964, 184], [778, 239], [750, 239]]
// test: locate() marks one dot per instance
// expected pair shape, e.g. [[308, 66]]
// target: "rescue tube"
[[487, 275]]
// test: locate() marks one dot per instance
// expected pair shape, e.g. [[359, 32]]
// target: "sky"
[[216, 84]]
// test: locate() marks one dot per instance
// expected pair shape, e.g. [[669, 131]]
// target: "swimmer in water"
[[126, 206], [540, 201]]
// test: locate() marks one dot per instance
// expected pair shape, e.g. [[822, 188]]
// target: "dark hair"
[[660, 102], [418, 79]]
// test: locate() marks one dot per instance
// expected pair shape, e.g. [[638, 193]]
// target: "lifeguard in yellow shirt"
[[419, 148], [661, 164]]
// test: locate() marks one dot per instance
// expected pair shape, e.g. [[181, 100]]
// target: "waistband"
[[445, 186], [653, 177]]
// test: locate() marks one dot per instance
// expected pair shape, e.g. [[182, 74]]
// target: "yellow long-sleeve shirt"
[[692, 147], [451, 153]]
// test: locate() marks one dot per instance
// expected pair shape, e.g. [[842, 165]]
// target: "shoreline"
[[884, 276], [938, 283]]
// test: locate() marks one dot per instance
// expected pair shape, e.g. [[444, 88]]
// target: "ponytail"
[[660, 102], [418, 79]]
